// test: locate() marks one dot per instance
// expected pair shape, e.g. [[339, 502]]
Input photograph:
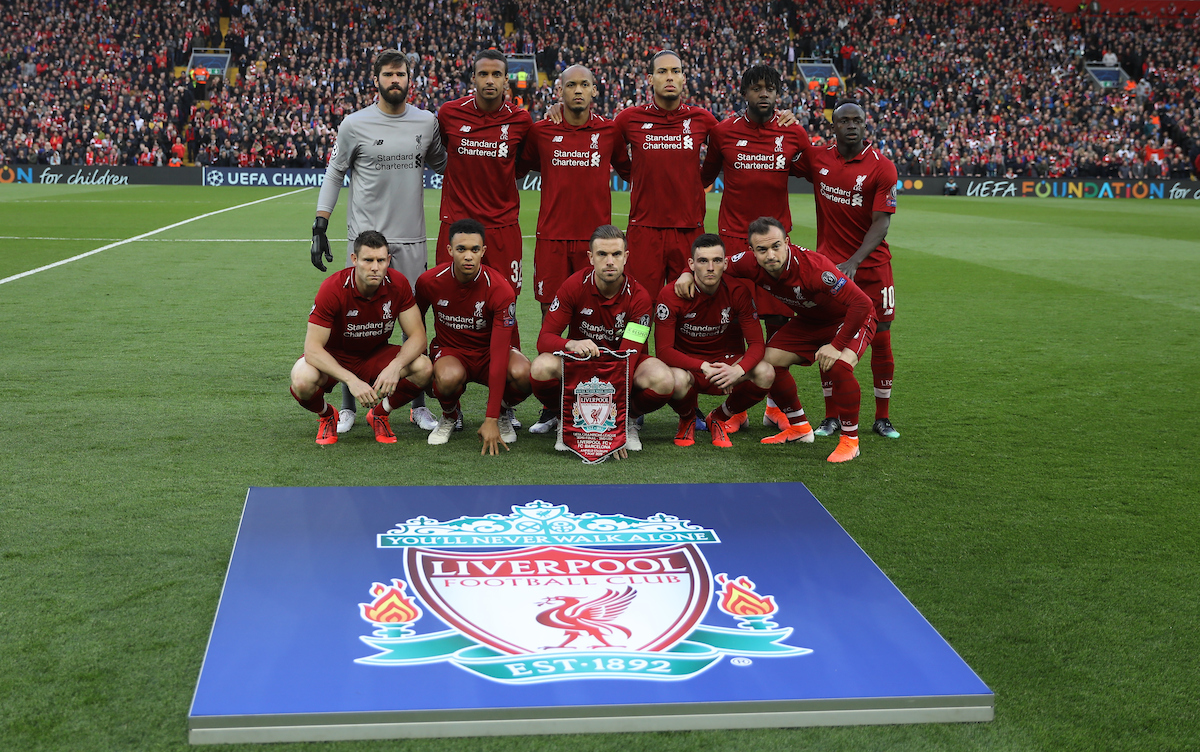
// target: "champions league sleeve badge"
[[545, 595]]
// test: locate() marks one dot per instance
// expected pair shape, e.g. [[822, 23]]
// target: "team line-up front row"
[[707, 336]]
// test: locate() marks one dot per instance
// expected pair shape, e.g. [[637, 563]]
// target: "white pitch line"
[[144, 235]]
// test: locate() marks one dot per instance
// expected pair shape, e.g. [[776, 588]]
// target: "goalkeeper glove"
[[320, 243]]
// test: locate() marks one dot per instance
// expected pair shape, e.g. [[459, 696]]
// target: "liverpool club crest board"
[[359, 613]]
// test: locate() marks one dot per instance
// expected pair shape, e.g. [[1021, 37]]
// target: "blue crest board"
[[364, 613]]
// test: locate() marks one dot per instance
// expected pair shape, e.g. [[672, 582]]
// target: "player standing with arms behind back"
[[855, 190], [757, 155], [386, 148]]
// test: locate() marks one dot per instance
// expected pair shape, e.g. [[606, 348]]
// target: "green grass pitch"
[[1040, 509]]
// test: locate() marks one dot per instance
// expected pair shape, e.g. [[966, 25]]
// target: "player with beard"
[[854, 187], [756, 154], [386, 148], [575, 158], [483, 136]]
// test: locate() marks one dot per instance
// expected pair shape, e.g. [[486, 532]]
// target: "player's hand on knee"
[[386, 383], [320, 243], [827, 356]]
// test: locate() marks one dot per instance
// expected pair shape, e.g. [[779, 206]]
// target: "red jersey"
[[357, 324], [708, 327], [476, 318], [665, 178], [575, 163], [812, 287], [581, 309], [848, 192], [757, 160], [481, 161]]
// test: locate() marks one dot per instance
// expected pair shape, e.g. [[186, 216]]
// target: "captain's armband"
[[638, 333]]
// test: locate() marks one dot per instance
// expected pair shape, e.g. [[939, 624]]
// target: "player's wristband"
[[320, 225], [638, 333]]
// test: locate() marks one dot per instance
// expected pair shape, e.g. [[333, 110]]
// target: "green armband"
[[638, 333]]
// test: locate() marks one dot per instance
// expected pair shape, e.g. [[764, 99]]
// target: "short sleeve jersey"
[[481, 161], [465, 314], [757, 160], [708, 327], [581, 309], [814, 288], [575, 163], [665, 146], [358, 324], [848, 192]]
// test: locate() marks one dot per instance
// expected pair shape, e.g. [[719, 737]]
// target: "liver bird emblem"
[[594, 618]]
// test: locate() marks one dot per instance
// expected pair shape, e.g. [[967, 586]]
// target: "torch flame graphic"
[[391, 605], [739, 599]]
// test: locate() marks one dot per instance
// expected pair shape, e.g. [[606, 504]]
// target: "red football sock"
[[644, 401], [549, 392], [687, 405], [789, 401], [405, 391], [846, 396], [743, 397], [883, 368], [783, 391], [827, 390], [314, 404], [449, 402], [512, 396]]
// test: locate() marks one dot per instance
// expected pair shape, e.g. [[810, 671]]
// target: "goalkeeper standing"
[[386, 148]]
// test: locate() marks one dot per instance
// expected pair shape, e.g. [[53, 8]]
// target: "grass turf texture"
[[1040, 509]]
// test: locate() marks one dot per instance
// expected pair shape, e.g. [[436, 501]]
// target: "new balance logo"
[[465, 129], [443, 302], [689, 315], [585, 312], [743, 142], [647, 126], [350, 313], [379, 142], [557, 139], [824, 170]]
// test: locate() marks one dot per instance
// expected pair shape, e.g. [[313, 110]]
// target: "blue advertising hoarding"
[[456, 611]]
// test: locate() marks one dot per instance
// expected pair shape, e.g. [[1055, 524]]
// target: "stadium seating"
[[950, 88]]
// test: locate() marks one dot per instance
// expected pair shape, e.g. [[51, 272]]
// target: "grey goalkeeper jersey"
[[386, 156]]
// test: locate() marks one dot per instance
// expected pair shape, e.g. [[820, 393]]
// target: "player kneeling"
[[714, 345], [474, 317], [352, 320], [601, 307]]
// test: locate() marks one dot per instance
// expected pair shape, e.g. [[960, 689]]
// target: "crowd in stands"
[[950, 88]]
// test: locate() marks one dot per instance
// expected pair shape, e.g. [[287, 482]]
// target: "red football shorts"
[[803, 339], [366, 366], [475, 364], [553, 262], [503, 251], [877, 283], [658, 255]]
